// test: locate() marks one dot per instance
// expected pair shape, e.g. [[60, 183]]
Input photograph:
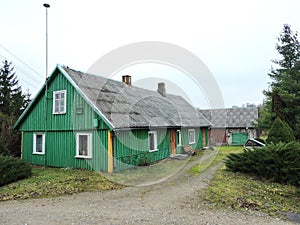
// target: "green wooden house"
[[79, 120]]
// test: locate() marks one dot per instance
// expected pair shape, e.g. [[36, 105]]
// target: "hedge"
[[276, 162], [13, 169], [3, 149]]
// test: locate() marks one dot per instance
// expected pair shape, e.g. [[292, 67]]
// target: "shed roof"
[[232, 117], [127, 106]]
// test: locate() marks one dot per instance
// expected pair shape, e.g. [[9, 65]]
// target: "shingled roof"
[[231, 117], [127, 106]]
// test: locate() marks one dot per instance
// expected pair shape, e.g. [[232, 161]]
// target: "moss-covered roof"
[[128, 106]]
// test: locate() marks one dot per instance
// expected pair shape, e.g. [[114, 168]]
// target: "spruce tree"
[[283, 96], [11, 98], [280, 132], [12, 104]]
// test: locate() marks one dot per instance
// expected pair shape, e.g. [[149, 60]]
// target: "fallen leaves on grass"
[[51, 182], [241, 191]]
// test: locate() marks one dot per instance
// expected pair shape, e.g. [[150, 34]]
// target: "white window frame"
[[155, 141], [178, 134], [65, 102], [191, 141], [89, 145], [34, 151]]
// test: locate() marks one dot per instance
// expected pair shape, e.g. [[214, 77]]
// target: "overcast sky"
[[234, 39]]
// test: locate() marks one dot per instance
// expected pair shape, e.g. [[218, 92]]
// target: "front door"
[[172, 142], [203, 137]]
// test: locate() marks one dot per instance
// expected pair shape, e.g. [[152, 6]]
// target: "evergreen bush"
[[280, 131], [276, 162], [3, 149], [13, 169]]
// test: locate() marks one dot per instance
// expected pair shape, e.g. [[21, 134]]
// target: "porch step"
[[179, 156]]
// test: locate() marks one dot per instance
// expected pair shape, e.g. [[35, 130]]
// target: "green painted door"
[[239, 138]]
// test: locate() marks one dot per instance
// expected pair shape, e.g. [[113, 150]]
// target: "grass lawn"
[[240, 191], [51, 182], [226, 189], [219, 153], [146, 175]]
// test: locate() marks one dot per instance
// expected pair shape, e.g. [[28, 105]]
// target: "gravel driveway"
[[175, 201]]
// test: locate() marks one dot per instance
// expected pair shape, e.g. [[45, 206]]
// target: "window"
[[39, 143], [59, 102], [152, 141], [178, 138], [191, 133], [84, 145]]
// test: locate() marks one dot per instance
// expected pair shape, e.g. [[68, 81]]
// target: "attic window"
[[59, 102]]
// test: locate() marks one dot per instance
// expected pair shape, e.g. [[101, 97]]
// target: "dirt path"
[[174, 201]]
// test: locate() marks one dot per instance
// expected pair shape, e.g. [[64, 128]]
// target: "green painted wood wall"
[[60, 150], [185, 138], [60, 146], [131, 148], [71, 120]]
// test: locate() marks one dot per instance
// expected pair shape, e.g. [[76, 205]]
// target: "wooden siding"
[[198, 138], [217, 136], [71, 120], [60, 130], [131, 148], [60, 150], [207, 137]]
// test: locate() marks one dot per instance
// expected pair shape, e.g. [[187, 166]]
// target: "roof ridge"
[[120, 82], [144, 107]]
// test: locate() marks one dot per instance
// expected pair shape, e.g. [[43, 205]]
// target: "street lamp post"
[[46, 6], [46, 84]]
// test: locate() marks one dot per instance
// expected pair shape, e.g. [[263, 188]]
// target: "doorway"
[[172, 142]]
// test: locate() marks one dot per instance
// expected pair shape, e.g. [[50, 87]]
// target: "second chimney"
[[126, 79], [161, 89]]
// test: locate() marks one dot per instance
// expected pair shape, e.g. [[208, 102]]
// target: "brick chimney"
[[126, 79], [161, 89]]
